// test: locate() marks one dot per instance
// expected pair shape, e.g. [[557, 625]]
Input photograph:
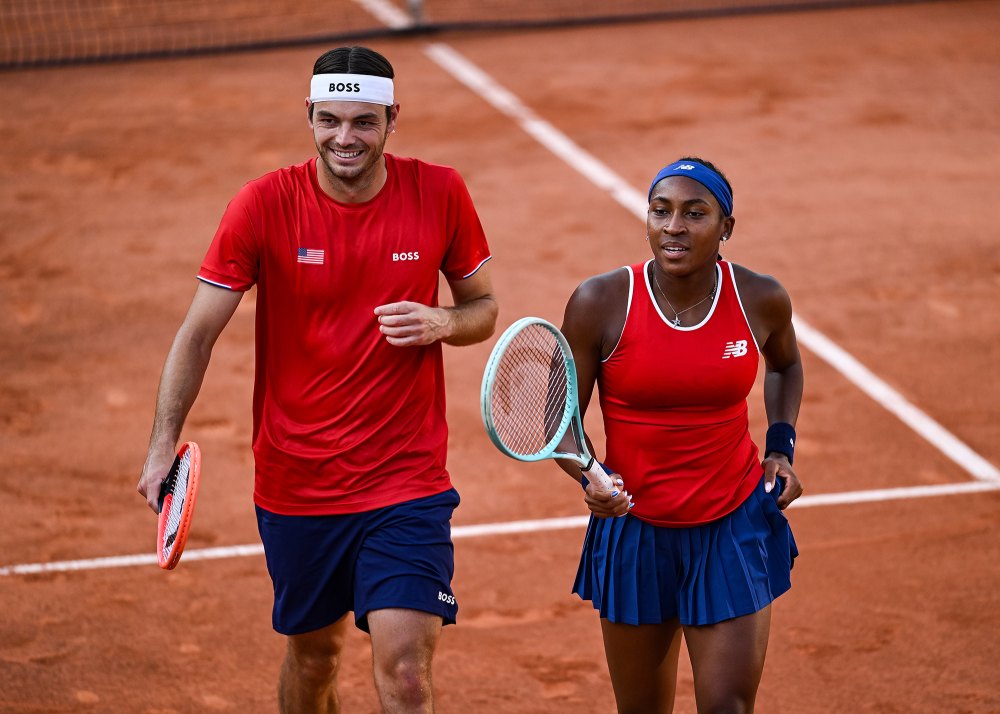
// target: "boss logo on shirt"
[[413, 255], [444, 597]]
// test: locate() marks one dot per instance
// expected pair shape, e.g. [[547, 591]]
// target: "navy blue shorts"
[[637, 573], [323, 567]]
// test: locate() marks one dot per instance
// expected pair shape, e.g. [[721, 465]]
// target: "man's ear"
[[393, 117]]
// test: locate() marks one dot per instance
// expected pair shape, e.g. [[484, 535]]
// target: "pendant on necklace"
[[677, 321]]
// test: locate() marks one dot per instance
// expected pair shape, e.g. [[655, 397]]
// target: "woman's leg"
[[728, 659], [642, 660]]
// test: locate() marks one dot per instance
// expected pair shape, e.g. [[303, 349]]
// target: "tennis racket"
[[529, 399], [177, 496]]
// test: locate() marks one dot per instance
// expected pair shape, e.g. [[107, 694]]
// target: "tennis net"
[[49, 32]]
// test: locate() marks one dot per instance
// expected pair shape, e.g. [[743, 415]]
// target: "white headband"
[[351, 88]]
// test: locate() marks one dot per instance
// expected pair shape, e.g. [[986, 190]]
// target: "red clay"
[[863, 146]]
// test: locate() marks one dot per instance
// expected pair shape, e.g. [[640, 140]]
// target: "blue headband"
[[703, 175]]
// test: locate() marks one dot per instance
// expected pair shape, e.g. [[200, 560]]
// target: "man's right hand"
[[155, 469]]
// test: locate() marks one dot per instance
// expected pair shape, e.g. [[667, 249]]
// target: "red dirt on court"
[[864, 148]]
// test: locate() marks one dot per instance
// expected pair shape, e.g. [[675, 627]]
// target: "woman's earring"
[[724, 238]]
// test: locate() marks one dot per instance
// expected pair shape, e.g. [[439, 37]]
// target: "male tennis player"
[[349, 436]]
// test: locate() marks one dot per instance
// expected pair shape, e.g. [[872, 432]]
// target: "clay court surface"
[[864, 148]]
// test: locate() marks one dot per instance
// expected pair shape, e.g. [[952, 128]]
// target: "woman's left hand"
[[776, 466]]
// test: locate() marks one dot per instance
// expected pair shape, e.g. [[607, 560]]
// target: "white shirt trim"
[[667, 322], [739, 301], [476, 269], [212, 282], [628, 309]]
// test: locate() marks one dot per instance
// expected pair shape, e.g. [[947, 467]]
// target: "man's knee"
[[403, 644], [314, 667], [315, 657], [408, 677]]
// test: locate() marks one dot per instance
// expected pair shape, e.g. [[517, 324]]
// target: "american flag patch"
[[310, 255]]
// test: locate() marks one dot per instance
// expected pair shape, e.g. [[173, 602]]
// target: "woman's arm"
[[592, 324], [769, 310]]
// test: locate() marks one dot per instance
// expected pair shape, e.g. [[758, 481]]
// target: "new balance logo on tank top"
[[675, 409]]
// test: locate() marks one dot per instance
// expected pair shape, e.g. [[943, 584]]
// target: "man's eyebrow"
[[325, 113]]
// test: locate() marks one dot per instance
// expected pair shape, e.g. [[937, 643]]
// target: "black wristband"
[[780, 439]]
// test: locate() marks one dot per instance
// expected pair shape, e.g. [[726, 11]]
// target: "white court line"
[[509, 528], [946, 442], [635, 202], [544, 133], [387, 13]]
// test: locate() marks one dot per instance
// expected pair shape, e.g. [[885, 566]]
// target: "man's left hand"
[[410, 324]]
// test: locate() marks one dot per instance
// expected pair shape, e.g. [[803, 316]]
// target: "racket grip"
[[167, 484], [597, 475]]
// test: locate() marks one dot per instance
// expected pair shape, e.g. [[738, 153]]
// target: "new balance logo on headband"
[[709, 178], [735, 349]]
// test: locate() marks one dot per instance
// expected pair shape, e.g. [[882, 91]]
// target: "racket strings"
[[178, 494], [530, 391]]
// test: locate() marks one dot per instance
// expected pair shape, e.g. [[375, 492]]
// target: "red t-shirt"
[[675, 410], [343, 421]]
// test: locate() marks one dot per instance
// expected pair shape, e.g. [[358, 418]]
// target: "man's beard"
[[350, 174]]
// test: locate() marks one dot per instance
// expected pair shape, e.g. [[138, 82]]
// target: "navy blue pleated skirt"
[[636, 573]]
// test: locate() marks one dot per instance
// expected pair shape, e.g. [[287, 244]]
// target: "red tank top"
[[675, 408]]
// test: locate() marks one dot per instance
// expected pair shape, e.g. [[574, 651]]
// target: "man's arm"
[[472, 319], [180, 381]]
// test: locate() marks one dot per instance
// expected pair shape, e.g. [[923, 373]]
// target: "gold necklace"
[[677, 313]]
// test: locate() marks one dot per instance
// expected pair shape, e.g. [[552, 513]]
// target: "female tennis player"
[[703, 547]]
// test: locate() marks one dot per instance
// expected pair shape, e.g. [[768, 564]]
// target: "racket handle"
[[597, 475], [167, 483]]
